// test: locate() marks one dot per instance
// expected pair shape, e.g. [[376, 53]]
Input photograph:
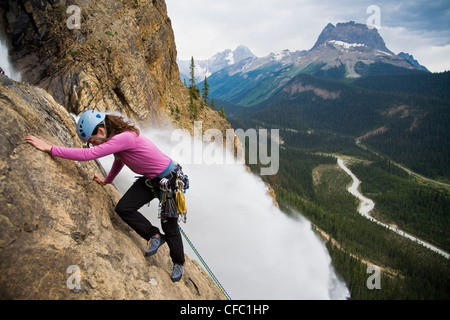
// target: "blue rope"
[[205, 265]]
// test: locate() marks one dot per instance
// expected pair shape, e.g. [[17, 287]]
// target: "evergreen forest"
[[380, 125]]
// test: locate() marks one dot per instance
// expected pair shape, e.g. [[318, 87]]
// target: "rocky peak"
[[242, 53], [352, 33], [413, 61], [228, 57]]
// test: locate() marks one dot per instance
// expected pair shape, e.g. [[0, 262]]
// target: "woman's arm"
[[82, 154], [117, 143], [114, 171]]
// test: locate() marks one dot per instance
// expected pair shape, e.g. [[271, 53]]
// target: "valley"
[[353, 240], [367, 205]]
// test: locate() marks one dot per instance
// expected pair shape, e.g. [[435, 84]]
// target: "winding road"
[[367, 205]]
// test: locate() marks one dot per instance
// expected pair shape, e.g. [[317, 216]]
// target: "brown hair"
[[115, 125]]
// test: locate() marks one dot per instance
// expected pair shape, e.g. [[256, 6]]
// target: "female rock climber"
[[109, 134]]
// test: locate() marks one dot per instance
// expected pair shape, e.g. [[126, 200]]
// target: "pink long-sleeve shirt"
[[138, 153]]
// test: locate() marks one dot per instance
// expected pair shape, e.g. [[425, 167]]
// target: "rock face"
[[351, 32], [54, 218], [121, 59]]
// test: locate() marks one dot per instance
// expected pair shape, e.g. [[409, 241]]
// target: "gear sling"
[[173, 184]]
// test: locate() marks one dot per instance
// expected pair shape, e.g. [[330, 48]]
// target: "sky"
[[204, 27]]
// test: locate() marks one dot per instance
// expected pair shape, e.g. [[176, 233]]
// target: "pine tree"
[[193, 108], [205, 92], [222, 112], [192, 74], [213, 104]]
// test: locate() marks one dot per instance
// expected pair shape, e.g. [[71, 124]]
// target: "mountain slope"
[[236, 84], [411, 126]]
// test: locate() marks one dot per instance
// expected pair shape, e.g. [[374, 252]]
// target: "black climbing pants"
[[138, 195]]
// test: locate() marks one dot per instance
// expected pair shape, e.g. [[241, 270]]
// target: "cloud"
[[429, 16]]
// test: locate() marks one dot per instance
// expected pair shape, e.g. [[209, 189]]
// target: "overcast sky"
[[205, 27]]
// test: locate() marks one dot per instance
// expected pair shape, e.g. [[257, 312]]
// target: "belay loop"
[[172, 201]]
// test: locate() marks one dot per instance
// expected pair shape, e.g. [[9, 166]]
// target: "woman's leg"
[[173, 239], [127, 208]]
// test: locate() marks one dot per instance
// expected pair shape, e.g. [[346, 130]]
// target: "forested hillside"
[[412, 128], [374, 122]]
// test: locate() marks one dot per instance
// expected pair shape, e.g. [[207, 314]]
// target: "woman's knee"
[[122, 208]]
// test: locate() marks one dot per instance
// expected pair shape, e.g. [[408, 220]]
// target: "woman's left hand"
[[38, 143], [99, 180]]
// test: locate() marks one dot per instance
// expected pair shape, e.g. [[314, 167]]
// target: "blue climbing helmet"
[[87, 123]]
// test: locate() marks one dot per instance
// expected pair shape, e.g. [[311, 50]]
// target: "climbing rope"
[[205, 265]]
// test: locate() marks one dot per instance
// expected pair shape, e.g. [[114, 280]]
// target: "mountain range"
[[346, 51], [349, 84], [217, 62]]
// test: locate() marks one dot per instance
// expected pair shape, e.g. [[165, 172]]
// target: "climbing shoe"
[[156, 242], [177, 272]]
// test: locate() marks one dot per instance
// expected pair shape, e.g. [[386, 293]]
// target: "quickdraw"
[[172, 201]]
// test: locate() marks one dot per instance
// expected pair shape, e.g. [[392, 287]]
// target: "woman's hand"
[[38, 143], [99, 180]]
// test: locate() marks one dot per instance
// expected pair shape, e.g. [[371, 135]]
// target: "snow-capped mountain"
[[350, 47], [346, 51], [217, 62], [351, 32]]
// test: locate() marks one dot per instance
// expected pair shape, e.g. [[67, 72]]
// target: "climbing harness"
[[211, 274], [173, 184], [172, 201]]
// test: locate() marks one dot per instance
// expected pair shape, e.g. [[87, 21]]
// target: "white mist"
[[5, 63], [254, 249]]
